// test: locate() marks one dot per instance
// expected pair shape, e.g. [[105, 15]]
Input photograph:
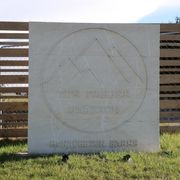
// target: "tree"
[[177, 19]]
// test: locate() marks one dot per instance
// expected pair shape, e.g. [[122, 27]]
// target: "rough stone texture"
[[93, 87]]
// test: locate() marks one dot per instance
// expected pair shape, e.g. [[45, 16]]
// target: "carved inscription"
[[93, 144], [104, 93], [86, 109]]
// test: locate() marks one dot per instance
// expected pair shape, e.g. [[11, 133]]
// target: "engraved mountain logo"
[[99, 78]]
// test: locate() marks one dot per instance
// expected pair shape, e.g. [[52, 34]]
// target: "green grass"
[[162, 165]]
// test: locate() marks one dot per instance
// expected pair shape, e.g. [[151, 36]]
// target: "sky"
[[98, 11]]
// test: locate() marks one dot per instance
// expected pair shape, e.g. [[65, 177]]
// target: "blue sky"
[[110, 11], [161, 15]]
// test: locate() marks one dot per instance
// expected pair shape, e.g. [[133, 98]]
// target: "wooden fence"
[[170, 77], [14, 78]]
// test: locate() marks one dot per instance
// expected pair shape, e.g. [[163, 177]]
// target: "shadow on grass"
[[8, 142], [11, 156]]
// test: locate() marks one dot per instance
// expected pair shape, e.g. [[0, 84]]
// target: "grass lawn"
[[162, 165]]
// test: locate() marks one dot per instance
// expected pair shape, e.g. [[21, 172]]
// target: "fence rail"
[[14, 41]]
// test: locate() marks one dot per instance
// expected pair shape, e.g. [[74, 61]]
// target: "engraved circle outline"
[[49, 105]]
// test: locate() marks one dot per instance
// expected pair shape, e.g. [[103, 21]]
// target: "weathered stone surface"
[[93, 87]]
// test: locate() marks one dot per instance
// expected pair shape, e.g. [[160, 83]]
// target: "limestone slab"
[[93, 87]]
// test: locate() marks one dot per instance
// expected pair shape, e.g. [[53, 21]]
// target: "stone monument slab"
[[93, 87]]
